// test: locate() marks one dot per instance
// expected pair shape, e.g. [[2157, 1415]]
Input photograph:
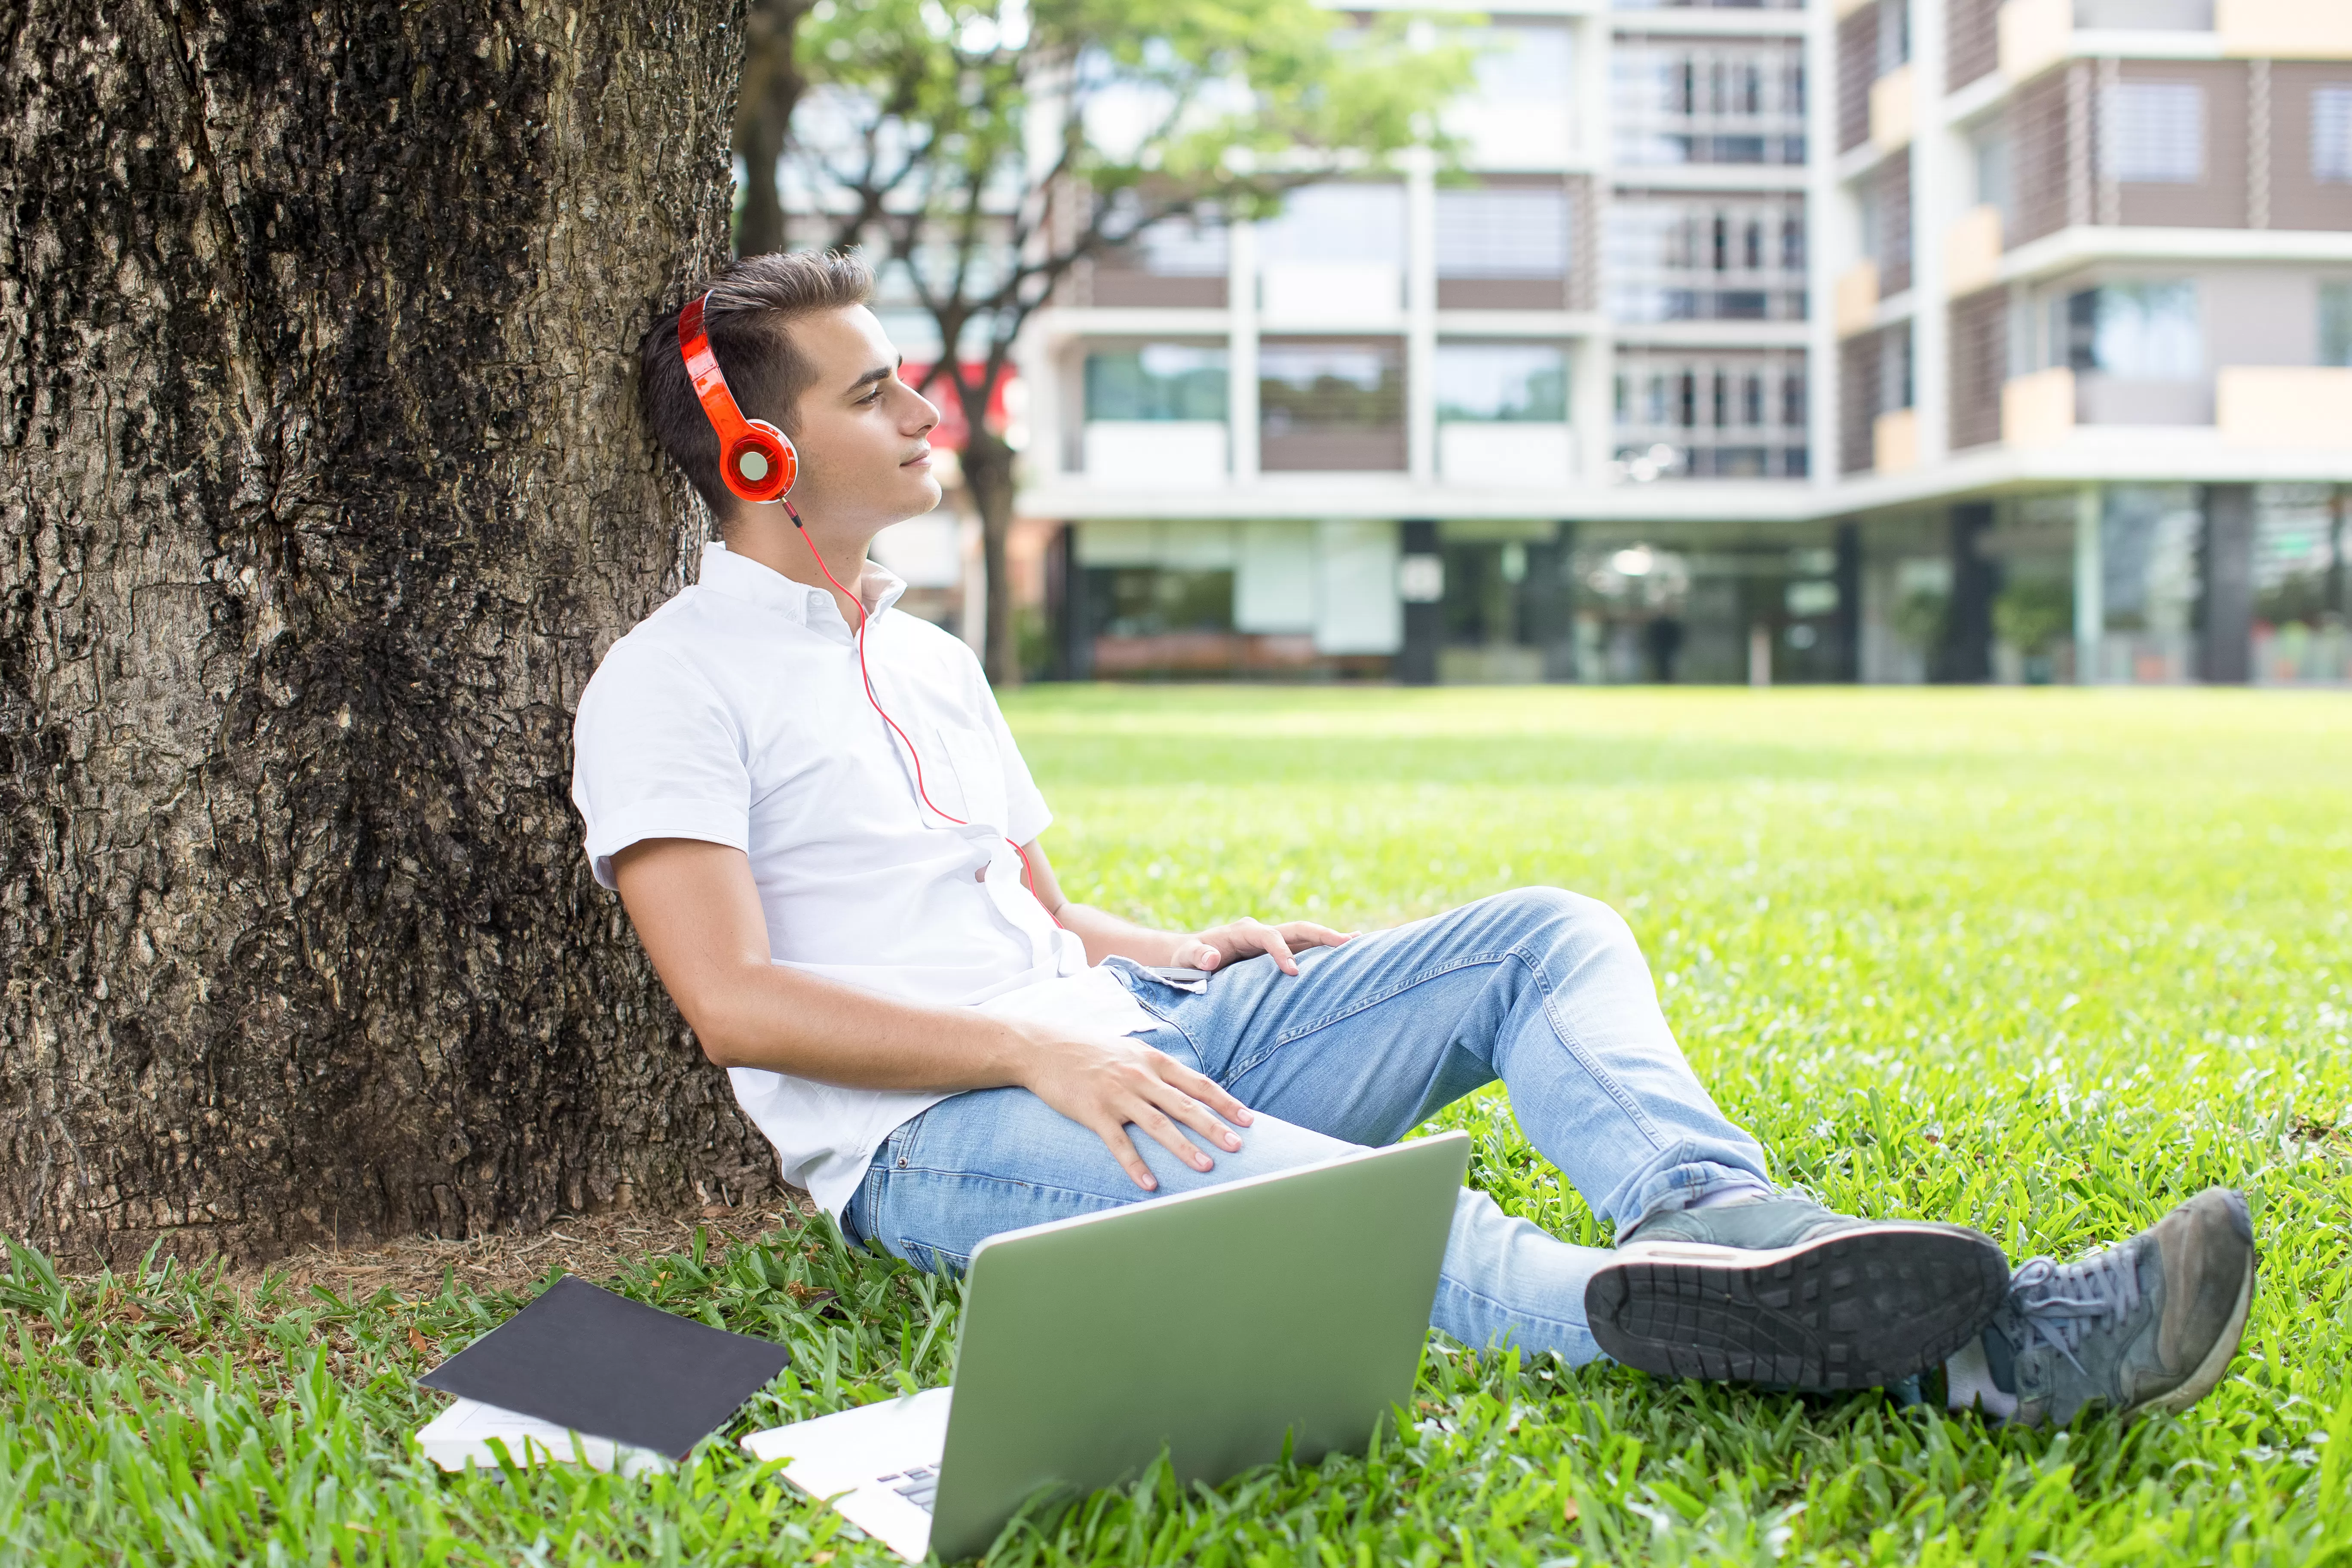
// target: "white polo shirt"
[[734, 714]]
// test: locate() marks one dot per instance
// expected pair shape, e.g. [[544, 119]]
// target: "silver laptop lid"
[[1215, 1323]]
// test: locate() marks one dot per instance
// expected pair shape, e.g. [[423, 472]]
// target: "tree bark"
[[321, 492]]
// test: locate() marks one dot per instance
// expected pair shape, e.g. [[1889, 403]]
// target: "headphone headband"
[[757, 460]]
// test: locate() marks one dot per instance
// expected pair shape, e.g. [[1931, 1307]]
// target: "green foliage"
[[2042, 960], [2032, 612], [993, 144], [1918, 619]]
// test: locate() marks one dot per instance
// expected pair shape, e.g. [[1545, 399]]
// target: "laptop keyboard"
[[917, 1486]]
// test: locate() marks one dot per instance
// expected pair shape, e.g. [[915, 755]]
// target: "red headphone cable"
[[1028, 873]]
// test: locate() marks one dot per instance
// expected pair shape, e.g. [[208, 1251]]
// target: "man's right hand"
[[1103, 1084]]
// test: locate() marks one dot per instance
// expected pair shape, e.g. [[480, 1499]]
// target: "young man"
[[859, 921]]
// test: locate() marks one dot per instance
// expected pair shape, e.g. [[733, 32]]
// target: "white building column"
[[1592, 408], [2090, 586], [1241, 349], [1420, 317], [1828, 244]]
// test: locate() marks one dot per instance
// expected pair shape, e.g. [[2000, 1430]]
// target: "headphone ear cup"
[[787, 455], [761, 463]]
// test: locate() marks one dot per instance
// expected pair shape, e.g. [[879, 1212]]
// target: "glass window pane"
[[1184, 247], [2144, 331], [1502, 381], [1326, 385], [2331, 134], [2152, 132], [1702, 101], [1347, 221], [1670, 258], [2335, 323], [1159, 381], [1522, 64], [1503, 233]]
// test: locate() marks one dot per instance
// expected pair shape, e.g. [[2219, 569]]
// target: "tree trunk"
[[988, 472], [322, 491], [763, 113]]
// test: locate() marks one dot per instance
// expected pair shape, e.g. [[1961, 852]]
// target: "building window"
[[1677, 101], [2152, 132], [1505, 232], [1188, 245], [1723, 415], [1680, 258], [2145, 332], [1327, 405], [1157, 601], [1894, 35], [2331, 135], [1522, 64], [1157, 380], [1502, 381], [1990, 161], [2335, 323], [1341, 221]]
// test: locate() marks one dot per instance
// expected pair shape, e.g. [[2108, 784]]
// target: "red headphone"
[[755, 458], [759, 463]]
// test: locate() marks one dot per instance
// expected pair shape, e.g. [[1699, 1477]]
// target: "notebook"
[[581, 1360]]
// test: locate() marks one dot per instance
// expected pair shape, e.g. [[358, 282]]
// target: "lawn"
[[2045, 961]]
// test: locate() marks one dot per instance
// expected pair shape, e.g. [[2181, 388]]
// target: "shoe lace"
[[2058, 1305]]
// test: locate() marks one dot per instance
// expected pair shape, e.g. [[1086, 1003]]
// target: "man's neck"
[[766, 535]]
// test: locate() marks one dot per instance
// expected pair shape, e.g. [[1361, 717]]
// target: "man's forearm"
[[1105, 934], [786, 1021]]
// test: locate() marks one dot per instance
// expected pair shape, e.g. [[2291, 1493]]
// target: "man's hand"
[[1246, 938], [1103, 1084]]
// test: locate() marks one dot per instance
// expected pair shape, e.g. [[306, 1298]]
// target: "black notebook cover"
[[609, 1367]]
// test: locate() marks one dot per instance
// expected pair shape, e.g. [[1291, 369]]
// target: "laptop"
[[1213, 1326]]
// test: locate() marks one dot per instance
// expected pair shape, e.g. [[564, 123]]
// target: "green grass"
[[2045, 961]]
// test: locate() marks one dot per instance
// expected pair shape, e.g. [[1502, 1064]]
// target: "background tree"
[[763, 109], [321, 493], [987, 147]]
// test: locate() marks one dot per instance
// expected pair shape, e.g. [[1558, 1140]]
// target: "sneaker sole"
[[1858, 1309], [2208, 1376]]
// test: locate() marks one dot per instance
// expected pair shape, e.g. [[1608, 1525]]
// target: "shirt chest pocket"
[[979, 774]]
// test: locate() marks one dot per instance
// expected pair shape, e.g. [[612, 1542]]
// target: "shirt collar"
[[740, 578]]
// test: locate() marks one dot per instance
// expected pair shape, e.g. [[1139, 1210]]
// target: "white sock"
[[1969, 1377]]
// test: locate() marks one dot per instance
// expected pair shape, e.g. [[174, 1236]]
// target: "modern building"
[[1861, 340]]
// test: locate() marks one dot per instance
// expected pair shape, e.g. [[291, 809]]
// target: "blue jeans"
[[1543, 989]]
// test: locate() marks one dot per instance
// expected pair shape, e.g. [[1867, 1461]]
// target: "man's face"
[[865, 459]]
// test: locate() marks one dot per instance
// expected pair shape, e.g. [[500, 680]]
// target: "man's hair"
[[753, 302]]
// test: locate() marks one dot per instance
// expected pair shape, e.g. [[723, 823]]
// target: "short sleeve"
[[657, 754], [1026, 813]]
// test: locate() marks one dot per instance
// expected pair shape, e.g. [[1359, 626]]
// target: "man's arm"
[[1104, 933], [696, 910]]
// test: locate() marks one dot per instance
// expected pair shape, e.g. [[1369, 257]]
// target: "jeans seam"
[[1517, 1314], [1399, 989], [1016, 1181], [1606, 1080]]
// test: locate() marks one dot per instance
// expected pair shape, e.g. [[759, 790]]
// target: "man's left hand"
[[1245, 937]]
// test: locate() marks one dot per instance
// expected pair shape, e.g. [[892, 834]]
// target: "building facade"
[[1856, 339]]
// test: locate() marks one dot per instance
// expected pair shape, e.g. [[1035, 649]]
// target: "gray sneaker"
[[1783, 1291], [2148, 1325]]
